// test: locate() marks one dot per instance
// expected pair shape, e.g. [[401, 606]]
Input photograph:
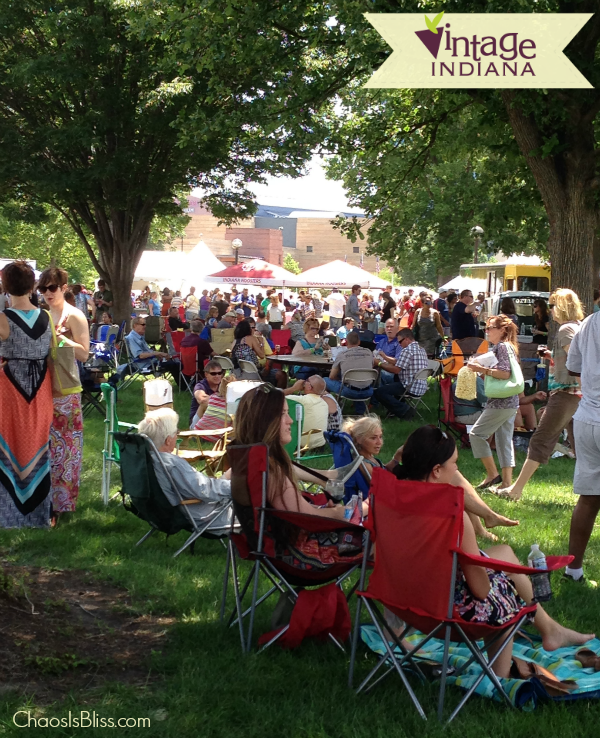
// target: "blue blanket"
[[523, 693]]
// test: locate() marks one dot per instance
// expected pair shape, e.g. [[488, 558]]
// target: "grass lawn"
[[199, 682]]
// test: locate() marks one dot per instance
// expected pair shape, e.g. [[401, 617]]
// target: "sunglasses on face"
[[216, 374], [51, 287]]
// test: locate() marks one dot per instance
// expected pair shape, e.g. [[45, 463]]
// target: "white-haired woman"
[[213, 495], [367, 434]]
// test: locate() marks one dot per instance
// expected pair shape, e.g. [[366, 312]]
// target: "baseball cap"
[[231, 315]]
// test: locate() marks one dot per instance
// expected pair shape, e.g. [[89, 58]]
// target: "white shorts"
[[587, 466]]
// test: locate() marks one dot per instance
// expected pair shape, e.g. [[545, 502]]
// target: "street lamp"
[[236, 245], [476, 231]]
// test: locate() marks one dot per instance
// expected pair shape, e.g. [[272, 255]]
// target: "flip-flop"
[[491, 483]]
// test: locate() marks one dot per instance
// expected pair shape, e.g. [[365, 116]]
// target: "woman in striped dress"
[[25, 405]]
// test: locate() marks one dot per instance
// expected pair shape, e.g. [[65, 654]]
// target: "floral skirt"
[[319, 551], [501, 605], [66, 450]]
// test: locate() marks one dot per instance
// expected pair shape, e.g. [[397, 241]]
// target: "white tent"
[[336, 274], [458, 284], [176, 269]]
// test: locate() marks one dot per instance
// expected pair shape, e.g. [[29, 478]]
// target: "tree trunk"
[[565, 181]]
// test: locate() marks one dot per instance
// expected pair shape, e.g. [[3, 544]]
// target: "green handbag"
[[501, 388]]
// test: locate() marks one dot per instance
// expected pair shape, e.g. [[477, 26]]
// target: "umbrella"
[[458, 284], [336, 274], [255, 271]]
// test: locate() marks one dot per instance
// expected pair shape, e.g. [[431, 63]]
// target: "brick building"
[[273, 232]]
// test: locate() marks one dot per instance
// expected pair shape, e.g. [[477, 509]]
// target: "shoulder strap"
[[54, 337]]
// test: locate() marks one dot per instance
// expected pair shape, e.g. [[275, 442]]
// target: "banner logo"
[[470, 50]]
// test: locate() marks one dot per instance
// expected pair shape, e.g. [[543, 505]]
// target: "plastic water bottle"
[[542, 590]]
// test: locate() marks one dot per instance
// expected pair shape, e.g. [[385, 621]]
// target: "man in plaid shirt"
[[411, 360]]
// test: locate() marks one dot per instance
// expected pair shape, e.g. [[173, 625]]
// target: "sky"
[[313, 191]]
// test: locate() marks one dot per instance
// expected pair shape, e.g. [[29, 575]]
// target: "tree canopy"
[[556, 132], [108, 107]]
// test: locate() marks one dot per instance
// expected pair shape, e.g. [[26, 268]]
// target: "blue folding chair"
[[344, 453]]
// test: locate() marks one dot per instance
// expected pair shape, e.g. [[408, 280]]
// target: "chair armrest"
[[217, 432], [312, 523], [190, 502], [126, 425], [553, 563]]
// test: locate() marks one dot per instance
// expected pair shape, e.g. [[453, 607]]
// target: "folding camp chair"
[[462, 350], [357, 375], [188, 355], [299, 446], [412, 399], [345, 453], [134, 370], [281, 337], [211, 459], [149, 502], [112, 425], [257, 542], [418, 530]]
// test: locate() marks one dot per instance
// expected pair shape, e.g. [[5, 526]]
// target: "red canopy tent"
[[255, 271]]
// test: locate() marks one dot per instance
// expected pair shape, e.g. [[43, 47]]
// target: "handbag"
[[63, 367], [501, 388]]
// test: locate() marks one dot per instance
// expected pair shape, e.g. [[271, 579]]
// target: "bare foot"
[[509, 493], [487, 536], [559, 637], [492, 520]]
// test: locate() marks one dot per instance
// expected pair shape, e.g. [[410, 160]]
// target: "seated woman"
[[215, 415], [262, 417], [310, 345], [481, 595], [246, 346], [367, 434], [212, 494]]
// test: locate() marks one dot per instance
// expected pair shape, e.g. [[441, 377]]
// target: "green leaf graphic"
[[432, 25]]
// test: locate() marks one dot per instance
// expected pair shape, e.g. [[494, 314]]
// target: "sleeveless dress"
[[66, 446], [26, 413]]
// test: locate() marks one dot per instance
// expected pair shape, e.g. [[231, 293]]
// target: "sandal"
[[588, 659], [491, 483]]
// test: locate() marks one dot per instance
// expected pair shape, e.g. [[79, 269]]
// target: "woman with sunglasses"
[[481, 595], [66, 433], [25, 403], [262, 417], [204, 389], [499, 413], [564, 392]]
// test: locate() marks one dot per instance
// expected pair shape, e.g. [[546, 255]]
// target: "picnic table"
[[318, 362]]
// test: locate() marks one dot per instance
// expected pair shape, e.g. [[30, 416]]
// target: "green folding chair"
[[296, 448], [112, 425]]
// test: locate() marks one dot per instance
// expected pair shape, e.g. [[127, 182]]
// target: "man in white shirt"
[[337, 304], [583, 361]]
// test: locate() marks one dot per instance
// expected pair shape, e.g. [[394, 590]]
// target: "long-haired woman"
[[541, 318], [66, 433], [499, 414], [564, 392], [481, 595], [262, 417]]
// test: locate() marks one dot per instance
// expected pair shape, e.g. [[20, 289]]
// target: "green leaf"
[[432, 25]]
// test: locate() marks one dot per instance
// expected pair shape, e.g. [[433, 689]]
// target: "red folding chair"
[[177, 337], [257, 543], [188, 355], [417, 528], [281, 338]]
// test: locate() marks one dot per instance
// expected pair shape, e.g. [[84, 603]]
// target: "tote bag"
[[63, 366], [501, 388]]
